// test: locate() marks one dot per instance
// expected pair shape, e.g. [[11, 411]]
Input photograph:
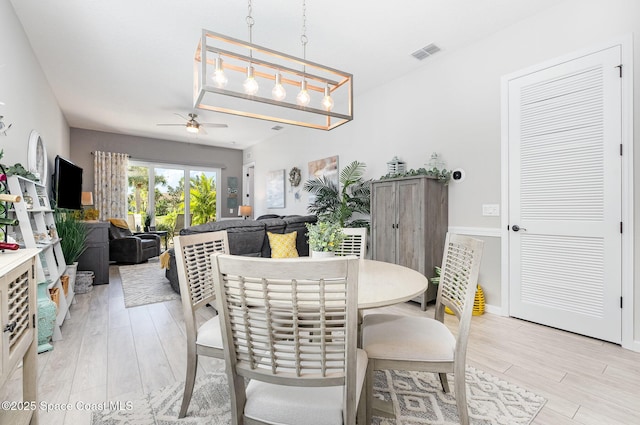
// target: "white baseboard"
[[635, 346], [494, 309]]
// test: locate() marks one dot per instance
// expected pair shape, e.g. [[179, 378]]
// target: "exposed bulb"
[[278, 92], [303, 97], [219, 78], [327, 101], [193, 128], [250, 84]]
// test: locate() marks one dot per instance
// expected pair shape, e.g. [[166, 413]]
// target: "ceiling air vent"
[[277, 127], [426, 51]]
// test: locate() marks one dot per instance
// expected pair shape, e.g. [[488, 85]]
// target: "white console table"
[[19, 341]]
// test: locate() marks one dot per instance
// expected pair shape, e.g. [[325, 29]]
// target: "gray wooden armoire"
[[409, 222]]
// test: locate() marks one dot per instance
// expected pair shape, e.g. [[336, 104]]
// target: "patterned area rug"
[[145, 284], [417, 398]]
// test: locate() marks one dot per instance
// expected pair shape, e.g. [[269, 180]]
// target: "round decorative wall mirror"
[[37, 157]]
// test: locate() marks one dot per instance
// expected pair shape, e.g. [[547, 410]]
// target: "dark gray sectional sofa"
[[249, 237]]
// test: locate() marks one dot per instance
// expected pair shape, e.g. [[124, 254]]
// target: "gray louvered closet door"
[[565, 196]]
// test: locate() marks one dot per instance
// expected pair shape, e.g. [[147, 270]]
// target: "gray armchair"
[[125, 247]]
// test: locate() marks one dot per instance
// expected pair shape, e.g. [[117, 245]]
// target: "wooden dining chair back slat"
[[459, 275], [193, 262], [355, 242], [424, 344], [289, 322]]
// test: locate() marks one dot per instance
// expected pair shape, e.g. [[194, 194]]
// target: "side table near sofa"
[[162, 233]]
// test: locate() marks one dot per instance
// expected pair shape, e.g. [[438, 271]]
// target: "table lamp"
[[88, 213], [244, 211], [87, 199]]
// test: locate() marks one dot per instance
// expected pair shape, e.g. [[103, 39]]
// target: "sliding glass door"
[[179, 195], [168, 199], [137, 195], [203, 196]]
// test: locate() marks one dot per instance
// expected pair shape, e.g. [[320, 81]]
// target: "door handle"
[[517, 228]]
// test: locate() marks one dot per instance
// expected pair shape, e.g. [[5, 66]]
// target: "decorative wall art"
[[232, 192], [275, 189], [295, 177], [37, 157], [327, 168]]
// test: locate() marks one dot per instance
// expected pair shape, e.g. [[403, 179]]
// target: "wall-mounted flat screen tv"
[[67, 184]]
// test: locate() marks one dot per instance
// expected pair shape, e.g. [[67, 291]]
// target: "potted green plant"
[[324, 238], [147, 222], [339, 204], [73, 236]]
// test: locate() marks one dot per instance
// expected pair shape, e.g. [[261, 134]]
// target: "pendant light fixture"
[[327, 101], [230, 72], [303, 97], [250, 85], [278, 92], [219, 77]]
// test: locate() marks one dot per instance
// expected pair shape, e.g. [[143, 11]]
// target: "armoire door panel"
[[409, 221], [383, 228], [411, 224]]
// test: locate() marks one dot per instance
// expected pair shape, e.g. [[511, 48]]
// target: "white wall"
[[29, 101], [452, 106]]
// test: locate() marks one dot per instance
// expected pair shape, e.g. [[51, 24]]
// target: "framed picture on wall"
[[325, 167], [275, 189]]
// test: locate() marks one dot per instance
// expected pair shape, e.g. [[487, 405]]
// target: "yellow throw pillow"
[[283, 246], [119, 222]]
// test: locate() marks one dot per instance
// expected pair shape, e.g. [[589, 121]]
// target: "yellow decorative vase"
[[478, 303]]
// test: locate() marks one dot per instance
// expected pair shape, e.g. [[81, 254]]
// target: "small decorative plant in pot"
[[147, 222], [73, 235], [325, 238]]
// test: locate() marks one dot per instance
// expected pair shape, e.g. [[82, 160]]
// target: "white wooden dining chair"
[[289, 325], [193, 262], [424, 344], [355, 243]]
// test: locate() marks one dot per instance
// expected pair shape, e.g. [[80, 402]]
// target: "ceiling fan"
[[193, 126]]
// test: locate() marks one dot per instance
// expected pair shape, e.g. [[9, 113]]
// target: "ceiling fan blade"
[[212, 125], [182, 116], [180, 125], [201, 130]]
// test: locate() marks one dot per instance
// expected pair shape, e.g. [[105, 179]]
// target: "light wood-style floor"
[[110, 353]]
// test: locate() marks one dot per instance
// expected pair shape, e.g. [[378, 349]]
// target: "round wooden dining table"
[[381, 284]]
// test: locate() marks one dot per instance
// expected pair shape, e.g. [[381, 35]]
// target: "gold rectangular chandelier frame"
[[237, 55]]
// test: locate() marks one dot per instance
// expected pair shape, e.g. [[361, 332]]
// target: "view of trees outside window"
[[202, 188], [169, 197]]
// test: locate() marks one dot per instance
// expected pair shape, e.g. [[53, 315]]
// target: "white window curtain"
[[110, 184]]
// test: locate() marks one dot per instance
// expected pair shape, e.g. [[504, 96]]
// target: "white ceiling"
[[123, 66]]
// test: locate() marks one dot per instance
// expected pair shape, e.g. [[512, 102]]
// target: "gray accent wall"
[[84, 142]]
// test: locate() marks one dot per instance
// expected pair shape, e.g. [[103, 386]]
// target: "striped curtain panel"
[[110, 184]]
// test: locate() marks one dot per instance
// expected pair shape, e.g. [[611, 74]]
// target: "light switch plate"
[[491, 210]]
